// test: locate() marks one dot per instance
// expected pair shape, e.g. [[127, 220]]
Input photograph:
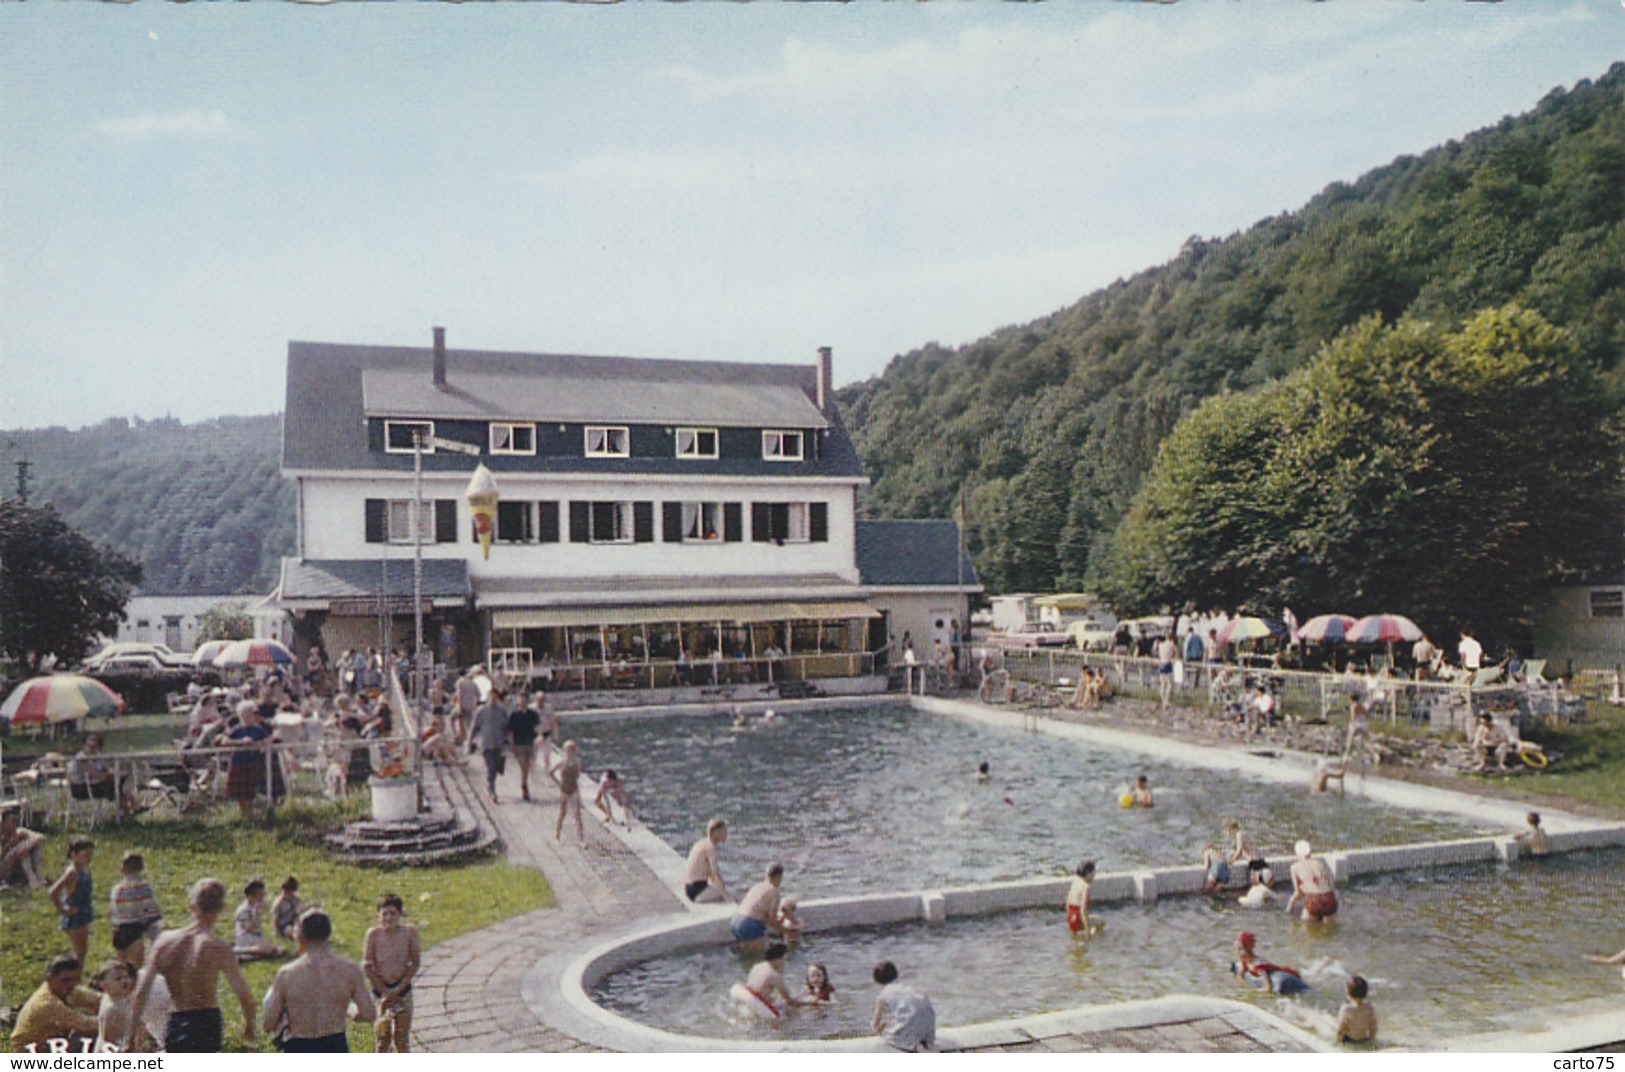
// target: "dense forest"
[[1048, 429], [202, 507]]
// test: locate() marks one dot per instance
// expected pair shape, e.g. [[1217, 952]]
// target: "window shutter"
[[580, 522], [733, 522], [376, 528], [445, 521], [643, 522], [671, 515], [818, 522], [761, 523], [780, 513], [547, 522]]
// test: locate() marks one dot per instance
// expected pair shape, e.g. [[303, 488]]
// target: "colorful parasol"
[[1326, 628], [1239, 630], [254, 653], [59, 698], [208, 651], [1383, 629]]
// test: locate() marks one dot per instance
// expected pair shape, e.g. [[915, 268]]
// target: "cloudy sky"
[[184, 188]]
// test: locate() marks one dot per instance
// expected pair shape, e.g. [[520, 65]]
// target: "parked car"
[[1091, 636], [129, 655]]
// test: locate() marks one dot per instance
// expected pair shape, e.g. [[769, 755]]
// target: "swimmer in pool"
[[819, 990], [1260, 879], [1356, 1020], [983, 774], [1533, 842], [1312, 884], [1077, 899], [1277, 978], [740, 723], [1216, 868], [764, 983], [1140, 795], [1604, 958], [789, 922], [759, 910]]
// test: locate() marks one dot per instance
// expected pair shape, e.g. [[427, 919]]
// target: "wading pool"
[[1448, 951], [884, 798]]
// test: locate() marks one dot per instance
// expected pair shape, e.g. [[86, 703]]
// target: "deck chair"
[[1486, 676], [1533, 671]]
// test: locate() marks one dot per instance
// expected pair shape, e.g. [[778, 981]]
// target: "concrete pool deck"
[[499, 989]]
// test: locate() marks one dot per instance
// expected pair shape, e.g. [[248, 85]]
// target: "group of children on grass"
[[61, 1007]]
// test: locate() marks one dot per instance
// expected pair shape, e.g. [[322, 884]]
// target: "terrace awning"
[[563, 617]]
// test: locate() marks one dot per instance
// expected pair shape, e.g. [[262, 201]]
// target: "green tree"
[[1441, 474], [58, 590], [225, 621]]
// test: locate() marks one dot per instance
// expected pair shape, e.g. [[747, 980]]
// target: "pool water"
[[882, 799], [1448, 951]]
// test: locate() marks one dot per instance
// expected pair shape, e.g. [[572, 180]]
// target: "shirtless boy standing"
[[390, 959], [703, 880], [191, 960], [315, 992]]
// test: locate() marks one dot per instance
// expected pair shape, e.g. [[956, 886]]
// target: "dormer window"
[[696, 442], [398, 436], [607, 442], [513, 438], [781, 446]]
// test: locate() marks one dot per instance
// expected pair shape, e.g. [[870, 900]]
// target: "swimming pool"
[[883, 798], [1448, 951]]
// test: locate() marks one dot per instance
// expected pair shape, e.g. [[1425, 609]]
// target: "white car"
[[132, 656]]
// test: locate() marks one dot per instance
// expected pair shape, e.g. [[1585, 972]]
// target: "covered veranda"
[[648, 646]]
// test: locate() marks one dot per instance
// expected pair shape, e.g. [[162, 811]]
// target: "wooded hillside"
[[202, 507], [1049, 428]]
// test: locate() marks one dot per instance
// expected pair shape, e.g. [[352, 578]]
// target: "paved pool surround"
[[561, 987]]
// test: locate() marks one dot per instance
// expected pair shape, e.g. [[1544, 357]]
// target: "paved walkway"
[[468, 997]]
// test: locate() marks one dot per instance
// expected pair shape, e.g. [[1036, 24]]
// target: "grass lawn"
[[441, 901], [1593, 765]]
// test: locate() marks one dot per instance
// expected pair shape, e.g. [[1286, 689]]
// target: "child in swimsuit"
[[819, 990], [1077, 898], [1277, 978], [75, 897]]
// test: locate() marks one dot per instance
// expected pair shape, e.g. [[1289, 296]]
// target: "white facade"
[[174, 620], [332, 511]]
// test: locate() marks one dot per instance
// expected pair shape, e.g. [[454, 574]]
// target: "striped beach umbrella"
[[1383, 629], [59, 698], [253, 653], [208, 651], [1238, 630], [1326, 629]]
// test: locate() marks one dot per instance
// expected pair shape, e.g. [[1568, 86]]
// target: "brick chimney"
[[440, 357], [826, 379]]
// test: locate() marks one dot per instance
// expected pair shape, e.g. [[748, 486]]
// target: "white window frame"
[[799, 523], [398, 522], [607, 432], [702, 517], [694, 435], [1610, 596], [625, 527], [511, 427], [774, 447], [428, 436]]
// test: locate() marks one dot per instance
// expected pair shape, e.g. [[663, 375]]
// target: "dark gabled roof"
[[332, 388], [356, 578], [912, 553]]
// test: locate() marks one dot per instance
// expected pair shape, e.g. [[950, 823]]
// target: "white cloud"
[[192, 123]]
